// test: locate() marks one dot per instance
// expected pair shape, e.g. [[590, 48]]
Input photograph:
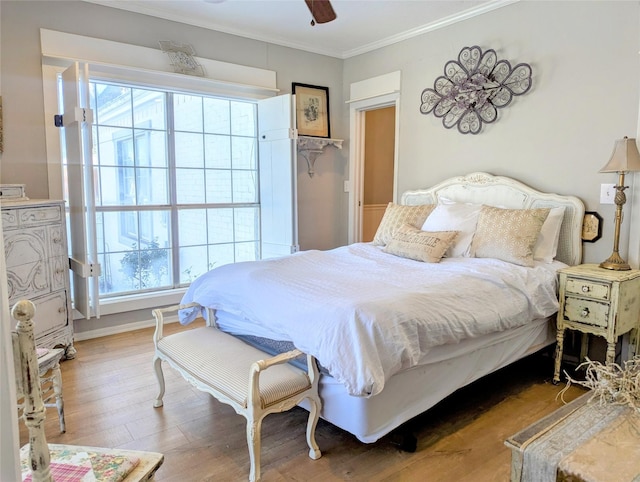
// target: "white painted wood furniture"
[[37, 452], [239, 375], [599, 302], [37, 260], [50, 379]]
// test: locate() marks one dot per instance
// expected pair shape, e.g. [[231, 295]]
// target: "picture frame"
[[591, 227], [312, 110]]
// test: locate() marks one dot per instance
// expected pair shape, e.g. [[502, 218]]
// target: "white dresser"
[[35, 244]]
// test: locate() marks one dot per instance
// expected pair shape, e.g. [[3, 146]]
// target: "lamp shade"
[[625, 157]]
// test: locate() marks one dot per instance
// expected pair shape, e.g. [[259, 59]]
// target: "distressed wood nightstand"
[[599, 302]]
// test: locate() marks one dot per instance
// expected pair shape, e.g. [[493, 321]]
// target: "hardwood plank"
[[110, 387]]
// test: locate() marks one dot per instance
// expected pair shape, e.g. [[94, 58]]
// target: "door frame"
[[357, 111]]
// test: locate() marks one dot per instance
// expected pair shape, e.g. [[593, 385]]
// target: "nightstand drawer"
[[591, 289], [586, 311]]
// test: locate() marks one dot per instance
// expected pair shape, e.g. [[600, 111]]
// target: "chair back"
[[15, 342], [28, 381]]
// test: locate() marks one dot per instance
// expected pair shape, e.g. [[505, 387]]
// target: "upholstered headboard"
[[500, 191]]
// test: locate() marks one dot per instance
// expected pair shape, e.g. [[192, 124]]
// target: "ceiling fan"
[[321, 11]]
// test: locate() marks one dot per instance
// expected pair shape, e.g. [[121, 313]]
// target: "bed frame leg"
[[409, 442], [157, 366], [405, 440]]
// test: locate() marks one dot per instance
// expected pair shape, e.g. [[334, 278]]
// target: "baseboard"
[[114, 330]]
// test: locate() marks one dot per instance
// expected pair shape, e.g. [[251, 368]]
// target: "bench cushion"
[[223, 362]]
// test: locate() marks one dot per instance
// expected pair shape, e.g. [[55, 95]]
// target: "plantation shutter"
[[278, 176], [77, 118]]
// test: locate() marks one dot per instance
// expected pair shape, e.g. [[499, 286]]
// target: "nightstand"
[[599, 302]]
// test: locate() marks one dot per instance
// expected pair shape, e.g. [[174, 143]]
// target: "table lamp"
[[625, 158]]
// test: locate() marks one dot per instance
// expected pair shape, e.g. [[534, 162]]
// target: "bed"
[[386, 353]]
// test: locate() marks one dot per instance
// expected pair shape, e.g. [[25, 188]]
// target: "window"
[[175, 185]]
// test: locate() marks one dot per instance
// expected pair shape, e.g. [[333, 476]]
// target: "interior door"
[[278, 176]]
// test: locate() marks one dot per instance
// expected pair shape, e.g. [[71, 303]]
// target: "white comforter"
[[365, 314]]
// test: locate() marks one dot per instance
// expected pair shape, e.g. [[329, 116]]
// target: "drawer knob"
[[59, 240], [61, 309], [585, 312], [585, 289]]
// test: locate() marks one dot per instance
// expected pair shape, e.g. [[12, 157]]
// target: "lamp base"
[[616, 263]]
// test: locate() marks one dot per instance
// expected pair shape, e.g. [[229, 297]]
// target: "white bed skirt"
[[414, 391]]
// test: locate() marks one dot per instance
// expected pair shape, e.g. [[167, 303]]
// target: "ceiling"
[[361, 26]]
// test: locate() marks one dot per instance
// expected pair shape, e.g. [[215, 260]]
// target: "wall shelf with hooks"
[[311, 147]]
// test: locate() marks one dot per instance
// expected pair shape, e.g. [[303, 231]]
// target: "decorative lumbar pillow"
[[547, 244], [508, 234], [455, 217], [398, 214], [413, 243]]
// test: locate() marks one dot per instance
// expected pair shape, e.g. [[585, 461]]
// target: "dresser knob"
[[61, 309], [585, 289], [59, 240], [585, 313]]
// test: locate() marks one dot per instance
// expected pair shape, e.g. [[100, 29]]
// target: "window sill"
[[142, 301]]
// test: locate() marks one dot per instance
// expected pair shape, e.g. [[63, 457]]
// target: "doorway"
[[379, 163], [358, 147]]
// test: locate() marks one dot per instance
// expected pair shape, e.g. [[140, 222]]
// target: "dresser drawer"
[[584, 311], [59, 272], [588, 288], [51, 313], [57, 243], [9, 219], [39, 216], [12, 191]]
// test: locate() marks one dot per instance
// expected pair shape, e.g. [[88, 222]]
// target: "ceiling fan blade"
[[321, 10]]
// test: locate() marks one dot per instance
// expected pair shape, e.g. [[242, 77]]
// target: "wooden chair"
[[36, 455], [50, 379]]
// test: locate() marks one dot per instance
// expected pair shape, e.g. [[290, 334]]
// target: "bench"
[[235, 373]]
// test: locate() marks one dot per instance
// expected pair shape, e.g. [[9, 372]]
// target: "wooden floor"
[[110, 386]]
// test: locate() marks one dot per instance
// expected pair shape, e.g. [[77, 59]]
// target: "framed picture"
[[591, 227], [312, 110]]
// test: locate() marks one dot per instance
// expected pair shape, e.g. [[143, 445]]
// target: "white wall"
[[556, 137]]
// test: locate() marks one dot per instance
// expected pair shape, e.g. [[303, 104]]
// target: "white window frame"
[[115, 61]]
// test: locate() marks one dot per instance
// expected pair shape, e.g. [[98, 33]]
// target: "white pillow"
[[455, 217], [547, 244]]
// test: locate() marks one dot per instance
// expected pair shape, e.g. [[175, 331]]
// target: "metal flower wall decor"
[[473, 88]]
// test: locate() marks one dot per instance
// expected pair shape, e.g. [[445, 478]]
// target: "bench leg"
[[157, 366], [253, 441], [314, 450]]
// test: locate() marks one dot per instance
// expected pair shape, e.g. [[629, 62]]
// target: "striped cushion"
[[223, 362]]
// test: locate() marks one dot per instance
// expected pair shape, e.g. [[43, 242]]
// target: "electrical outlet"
[[607, 193]]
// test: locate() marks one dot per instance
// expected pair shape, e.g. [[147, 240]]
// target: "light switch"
[[607, 193]]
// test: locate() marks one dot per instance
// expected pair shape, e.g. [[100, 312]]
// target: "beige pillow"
[[398, 214], [413, 243], [508, 234]]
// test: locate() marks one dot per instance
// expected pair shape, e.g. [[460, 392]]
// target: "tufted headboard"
[[500, 191]]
